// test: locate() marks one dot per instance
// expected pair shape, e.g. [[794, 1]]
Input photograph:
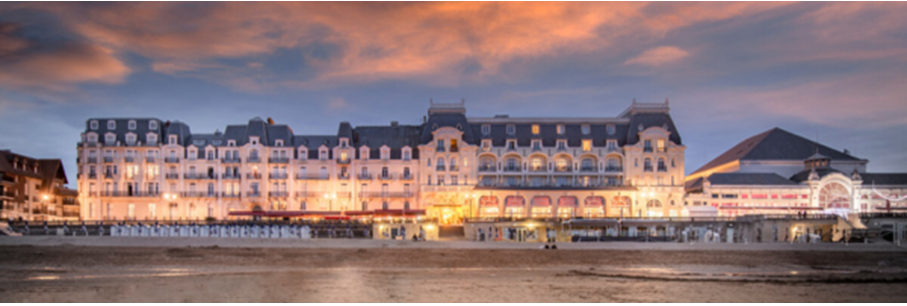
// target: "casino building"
[[449, 167], [778, 172]]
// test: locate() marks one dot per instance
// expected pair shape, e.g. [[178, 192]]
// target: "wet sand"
[[92, 269]]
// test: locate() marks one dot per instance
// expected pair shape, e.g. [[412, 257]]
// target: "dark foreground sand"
[[368, 271]]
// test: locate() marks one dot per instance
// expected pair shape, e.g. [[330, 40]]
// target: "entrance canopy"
[[514, 201]]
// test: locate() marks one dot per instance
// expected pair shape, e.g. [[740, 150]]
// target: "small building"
[[35, 189], [778, 172]]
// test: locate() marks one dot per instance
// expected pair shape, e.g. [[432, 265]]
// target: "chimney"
[[394, 123]]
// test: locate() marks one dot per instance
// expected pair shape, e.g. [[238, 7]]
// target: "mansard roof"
[[775, 144], [454, 120], [394, 137], [884, 178], [122, 128], [742, 178]]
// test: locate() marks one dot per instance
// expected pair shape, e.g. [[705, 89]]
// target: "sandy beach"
[[112, 269]]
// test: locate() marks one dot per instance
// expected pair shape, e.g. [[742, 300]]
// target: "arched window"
[[537, 164], [653, 203], [587, 164], [647, 164], [562, 164], [453, 164]]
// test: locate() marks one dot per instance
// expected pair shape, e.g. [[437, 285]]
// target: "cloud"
[[337, 104], [658, 56], [31, 64]]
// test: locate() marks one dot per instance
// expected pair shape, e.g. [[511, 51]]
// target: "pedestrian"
[[554, 247]]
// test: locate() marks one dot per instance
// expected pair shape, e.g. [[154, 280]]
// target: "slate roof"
[[48, 169], [455, 120], [395, 137], [775, 144], [803, 175], [884, 178], [122, 128], [647, 120], [742, 178]]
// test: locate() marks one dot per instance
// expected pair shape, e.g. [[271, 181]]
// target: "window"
[[486, 129], [661, 145], [562, 144], [536, 144], [537, 164], [440, 145], [647, 164], [440, 164], [92, 137], [172, 140], [535, 129], [131, 125], [611, 129], [561, 129], [586, 129], [511, 129], [440, 180], [661, 164], [344, 143], [647, 146], [93, 124], [110, 138], [453, 180], [672, 163], [587, 145], [406, 173], [511, 145], [198, 142], [486, 144], [130, 139], [278, 143], [152, 139], [407, 154], [385, 153], [453, 146], [152, 125], [111, 125]]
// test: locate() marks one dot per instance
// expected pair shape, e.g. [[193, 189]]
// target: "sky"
[[832, 72]]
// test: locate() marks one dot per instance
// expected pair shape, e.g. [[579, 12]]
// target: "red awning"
[[514, 201], [541, 201], [246, 213], [768, 208], [488, 201], [594, 201], [566, 201]]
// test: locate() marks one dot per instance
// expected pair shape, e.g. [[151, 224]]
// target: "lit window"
[[587, 145], [561, 129], [535, 129]]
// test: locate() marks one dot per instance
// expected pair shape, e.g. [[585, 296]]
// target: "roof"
[[741, 178], [884, 178], [775, 144], [804, 174], [48, 169]]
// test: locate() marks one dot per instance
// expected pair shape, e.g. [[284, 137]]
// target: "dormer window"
[[612, 144], [486, 144], [303, 154], [486, 129], [536, 144], [323, 154], [661, 145], [561, 144], [278, 142], [586, 129], [198, 142], [231, 143], [511, 144], [92, 138], [561, 129], [364, 153], [152, 125], [587, 145], [647, 146], [130, 139], [385, 154], [407, 154], [344, 143], [172, 140], [611, 129], [151, 139], [93, 124], [535, 129], [111, 125], [110, 138], [511, 129], [131, 125]]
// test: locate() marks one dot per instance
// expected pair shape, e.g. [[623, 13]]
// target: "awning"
[[488, 201], [594, 201], [541, 201], [514, 201], [768, 208], [246, 213], [284, 213], [398, 212], [566, 201]]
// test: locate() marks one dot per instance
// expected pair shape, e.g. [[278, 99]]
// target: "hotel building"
[[778, 172], [34, 189], [450, 167]]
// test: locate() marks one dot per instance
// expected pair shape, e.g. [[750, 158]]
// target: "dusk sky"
[[832, 71]]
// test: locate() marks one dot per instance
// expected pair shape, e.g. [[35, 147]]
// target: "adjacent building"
[[778, 172], [449, 167], [35, 189]]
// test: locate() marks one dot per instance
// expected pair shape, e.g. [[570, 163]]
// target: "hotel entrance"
[[447, 214]]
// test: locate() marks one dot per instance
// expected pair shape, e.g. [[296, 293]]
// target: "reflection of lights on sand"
[[44, 277], [429, 227]]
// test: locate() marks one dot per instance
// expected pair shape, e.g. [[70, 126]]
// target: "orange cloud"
[[658, 56], [30, 65]]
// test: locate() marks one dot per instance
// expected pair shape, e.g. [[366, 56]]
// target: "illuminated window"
[[535, 129], [587, 145], [561, 129]]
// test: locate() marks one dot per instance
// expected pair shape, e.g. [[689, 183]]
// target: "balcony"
[[385, 177], [230, 195], [343, 161], [613, 149], [454, 168], [662, 169], [230, 176], [172, 176], [406, 176], [92, 175], [149, 159], [375, 195], [199, 176], [108, 159], [487, 168], [128, 194], [587, 169], [254, 159], [277, 194], [92, 160], [108, 175], [305, 176], [308, 195], [129, 159], [192, 194], [278, 160], [647, 149], [538, 169], [343, 176], [647, 168], [364, 176], [512, 169], [614, 169], [253, 194], [231, 160], [440, 168], [277, 176], [253, 176], [171, 160], [563, 169]]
